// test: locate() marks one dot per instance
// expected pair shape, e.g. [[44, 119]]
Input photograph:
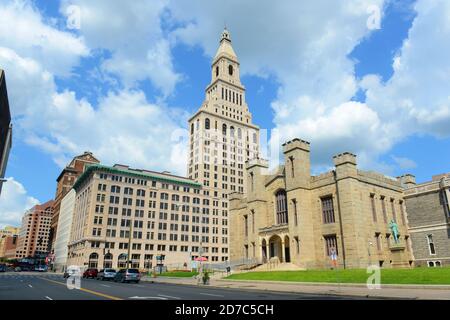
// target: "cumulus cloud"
[[14, 201], [132, 32], [23, 30], [416, 99]]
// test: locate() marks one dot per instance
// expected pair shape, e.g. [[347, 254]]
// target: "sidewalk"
[[440, 292]]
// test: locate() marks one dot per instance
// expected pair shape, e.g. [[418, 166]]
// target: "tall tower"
[[222, 139]]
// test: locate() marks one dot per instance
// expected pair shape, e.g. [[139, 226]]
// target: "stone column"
[[282, 251]]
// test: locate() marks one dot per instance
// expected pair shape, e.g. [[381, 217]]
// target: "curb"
[[332, 284]]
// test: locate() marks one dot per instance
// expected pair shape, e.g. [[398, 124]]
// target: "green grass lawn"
[[180, 274], [388, 276]]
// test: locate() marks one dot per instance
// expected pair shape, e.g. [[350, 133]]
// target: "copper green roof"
[[132, 173]]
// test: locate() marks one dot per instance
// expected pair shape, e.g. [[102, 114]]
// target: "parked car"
[[3, 268], [106, 274], [127, 275], [90, 273], [41, 268], [72, 271]]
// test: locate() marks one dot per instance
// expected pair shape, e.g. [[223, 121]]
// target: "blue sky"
[[130, 74]]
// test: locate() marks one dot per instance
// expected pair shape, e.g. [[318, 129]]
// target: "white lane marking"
[[143, 298], [105, 285], [30, 286], [139, 285], [170, 297], [210, 294], [47, 297]]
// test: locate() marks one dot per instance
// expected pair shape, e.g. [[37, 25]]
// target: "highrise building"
[[222, 135], [34, 232]]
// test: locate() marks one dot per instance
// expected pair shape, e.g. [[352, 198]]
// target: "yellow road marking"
[[86, 290]]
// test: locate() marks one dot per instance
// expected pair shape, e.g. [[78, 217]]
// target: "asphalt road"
[[47, 286]]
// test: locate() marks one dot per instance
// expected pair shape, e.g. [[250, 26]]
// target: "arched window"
[[107, 260], [232, 131], [217, 71], [206, 124], [93, 260], [224, 129], [239, 133], [281, 206], [197, 125], [230, 70], [254, 137], [122, 261], [192, 128]]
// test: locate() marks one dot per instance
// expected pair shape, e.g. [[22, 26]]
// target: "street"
[[48, 286]]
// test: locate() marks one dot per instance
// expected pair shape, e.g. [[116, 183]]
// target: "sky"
[[120, 79]]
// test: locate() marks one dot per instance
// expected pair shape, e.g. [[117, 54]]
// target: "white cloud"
[[123, 127], [304, 45], [131, 31], [416, 99], [404, 163], [23, 30], [14, 201]]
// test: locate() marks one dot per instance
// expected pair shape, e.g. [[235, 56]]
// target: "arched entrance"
[[93, 260], [107, 260], [287, 251], [275, 247]]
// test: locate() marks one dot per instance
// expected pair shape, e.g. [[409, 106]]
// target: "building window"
[[217, 71], [378, 240], [291, 158], [224, 129], [328, 210], [330, 245], [383, 207], [431, 246], [246, 225], [374, 210], [282, 214], [253, 221], [207, 125], [294, 203], [230, 70], [297, 244]]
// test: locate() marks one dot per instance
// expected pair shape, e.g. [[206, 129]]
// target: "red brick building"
[[65, 182]]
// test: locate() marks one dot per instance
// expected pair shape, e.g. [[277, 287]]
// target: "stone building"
[[429, 219], [292, 217], [152, 217], [222, 135], [64, 183], [35, 230]]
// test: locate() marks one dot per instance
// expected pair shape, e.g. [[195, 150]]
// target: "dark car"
[[127, 275], [106, 274], [3, 268], [90, 273]]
